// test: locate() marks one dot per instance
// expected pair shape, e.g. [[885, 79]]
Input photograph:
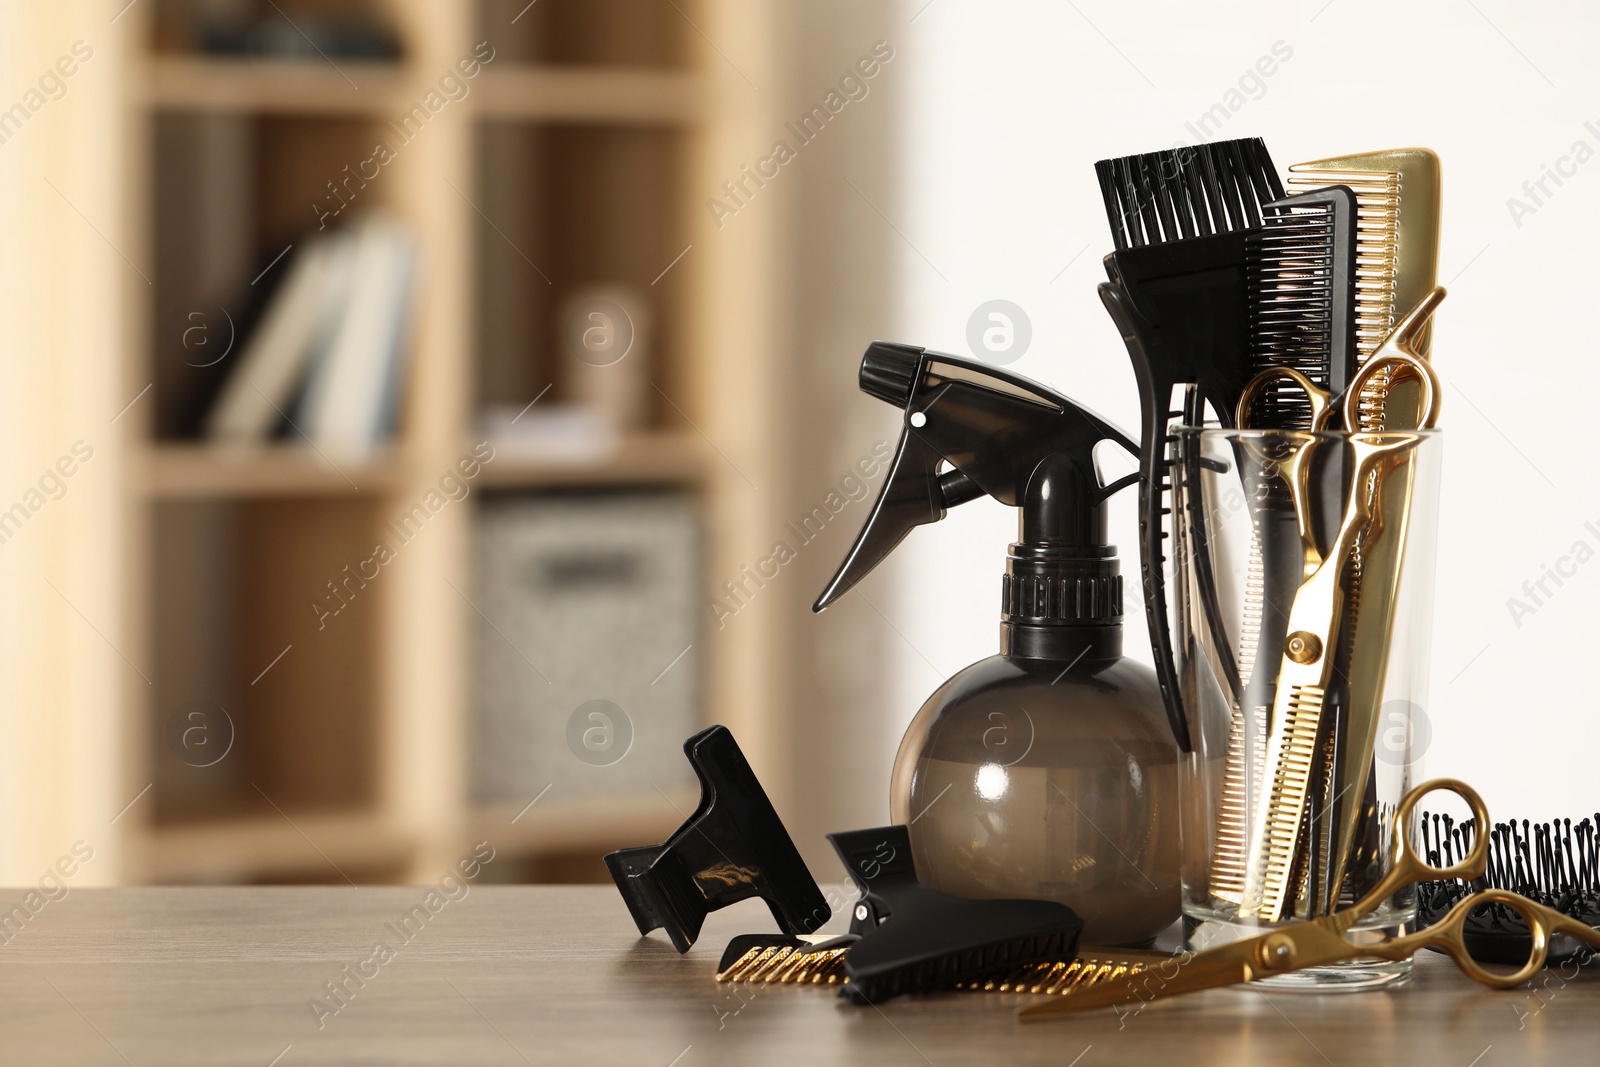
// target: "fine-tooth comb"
[[1300, 274], [759, 960], [1177, 294]]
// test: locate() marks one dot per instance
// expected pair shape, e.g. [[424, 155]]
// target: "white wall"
[[1009, 105]]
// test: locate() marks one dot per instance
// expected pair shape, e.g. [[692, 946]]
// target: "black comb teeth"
[[1194, 191], [1300, 272]]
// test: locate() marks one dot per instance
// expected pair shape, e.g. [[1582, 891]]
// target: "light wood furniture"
[[553, 974], [583, 153]]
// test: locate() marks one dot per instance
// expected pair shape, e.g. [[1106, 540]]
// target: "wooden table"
[[512, 975]]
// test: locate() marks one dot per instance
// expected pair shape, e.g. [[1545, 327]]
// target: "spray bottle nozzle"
[[971, 429], [889, 372]]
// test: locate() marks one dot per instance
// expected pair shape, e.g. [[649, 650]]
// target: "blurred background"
[[419, 417]]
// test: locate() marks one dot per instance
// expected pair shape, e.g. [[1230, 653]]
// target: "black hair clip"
[[905, 937], [732, 848], [915, 938]]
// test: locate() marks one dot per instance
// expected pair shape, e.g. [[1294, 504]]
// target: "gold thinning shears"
[[1322, 610], [1319, 942]]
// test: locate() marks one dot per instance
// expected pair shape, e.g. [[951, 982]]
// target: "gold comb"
[[1397, 260], [786, 965], [1397, 248]]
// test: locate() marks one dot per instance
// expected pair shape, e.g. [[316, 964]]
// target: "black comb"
[[733, 847], [1179, 296], [1301, 273], [1300, 269], [915, 938]]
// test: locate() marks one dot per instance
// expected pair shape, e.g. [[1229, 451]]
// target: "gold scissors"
[[1322, 610], [1319, 942], [1396, 356]]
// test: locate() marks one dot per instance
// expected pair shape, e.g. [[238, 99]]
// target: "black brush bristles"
[[1300, 271], [1556, 864], [1193, 191], [1176, 290]]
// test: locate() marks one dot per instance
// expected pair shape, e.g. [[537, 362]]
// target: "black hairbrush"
[[1179, 296], [1556, 864]]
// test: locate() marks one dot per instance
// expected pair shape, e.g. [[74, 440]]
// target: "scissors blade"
[[1213, 969], [1289, 948]]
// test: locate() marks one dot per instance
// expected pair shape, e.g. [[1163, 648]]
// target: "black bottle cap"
[[1063, 581]]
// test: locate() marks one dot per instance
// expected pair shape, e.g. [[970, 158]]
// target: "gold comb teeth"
[[1247, 752], [1060, 979], [786, 965], [1397, 244]]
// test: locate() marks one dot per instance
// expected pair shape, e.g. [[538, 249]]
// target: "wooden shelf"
[[646, 459], [234, 850], [577, 94], [191, 83], [184, 471], [584, 148], [609, 822], [386, 90]]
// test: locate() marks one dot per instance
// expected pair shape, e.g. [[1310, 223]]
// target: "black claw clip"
[[915, 938], [733, 847]]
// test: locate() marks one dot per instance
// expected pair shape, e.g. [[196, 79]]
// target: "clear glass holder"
[[1302, 594]]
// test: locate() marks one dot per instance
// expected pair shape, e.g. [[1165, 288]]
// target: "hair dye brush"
[[905, 937], [1178, 295], [1556, 864]]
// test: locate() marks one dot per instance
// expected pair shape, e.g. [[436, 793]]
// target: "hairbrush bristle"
[[1556, 864], [1187, 192]]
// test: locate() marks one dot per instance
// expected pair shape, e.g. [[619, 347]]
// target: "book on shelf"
[[328, 358]]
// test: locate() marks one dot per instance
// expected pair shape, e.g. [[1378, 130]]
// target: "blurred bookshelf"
[[577, 157]]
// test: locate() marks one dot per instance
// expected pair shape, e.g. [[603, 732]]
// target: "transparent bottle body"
[[1018, 779]]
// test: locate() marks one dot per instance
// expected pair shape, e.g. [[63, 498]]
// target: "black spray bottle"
[[1048, 771]]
